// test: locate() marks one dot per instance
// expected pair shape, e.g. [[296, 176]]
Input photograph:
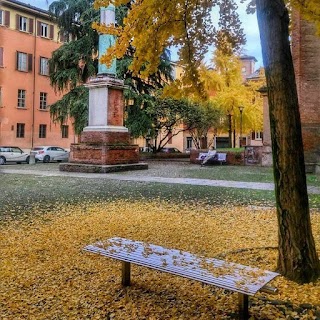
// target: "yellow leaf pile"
[[45, 274]]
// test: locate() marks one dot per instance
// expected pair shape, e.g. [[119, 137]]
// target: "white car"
[[50, 153], [13, 154]]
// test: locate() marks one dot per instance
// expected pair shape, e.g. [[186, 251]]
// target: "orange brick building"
[[27, 38]]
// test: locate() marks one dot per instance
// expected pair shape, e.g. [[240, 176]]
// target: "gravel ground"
[[170, 169]]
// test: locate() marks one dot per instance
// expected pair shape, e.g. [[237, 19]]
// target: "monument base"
[[266, 158], [91, 168], [103, 154], [105, 144]]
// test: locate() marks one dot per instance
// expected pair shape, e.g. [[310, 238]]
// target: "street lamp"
[[230, 129], [241, 110]]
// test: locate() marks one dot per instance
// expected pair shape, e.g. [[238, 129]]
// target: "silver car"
[[50, 153], [13, 154]]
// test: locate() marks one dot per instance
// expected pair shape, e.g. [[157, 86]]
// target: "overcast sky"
[[249, 23]]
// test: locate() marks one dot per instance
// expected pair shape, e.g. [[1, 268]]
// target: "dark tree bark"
[[297, 259]]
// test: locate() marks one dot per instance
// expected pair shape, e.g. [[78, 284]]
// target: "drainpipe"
[[34, 81]]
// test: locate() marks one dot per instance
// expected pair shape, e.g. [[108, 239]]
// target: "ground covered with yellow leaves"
[[45, 274]]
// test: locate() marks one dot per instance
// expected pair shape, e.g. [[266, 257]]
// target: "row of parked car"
[[42, 153], [47, 154]]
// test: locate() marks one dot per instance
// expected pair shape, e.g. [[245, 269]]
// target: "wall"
[[306, 55]]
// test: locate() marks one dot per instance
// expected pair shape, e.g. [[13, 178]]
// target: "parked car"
[[50, 153], [170, 150], [13, 154], [188, 150], [145, 149]]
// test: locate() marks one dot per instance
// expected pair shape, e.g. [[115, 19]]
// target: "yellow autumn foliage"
[[45, 274], [309, 9], [153, 25]]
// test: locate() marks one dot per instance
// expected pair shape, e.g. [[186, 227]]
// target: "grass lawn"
[[45, 221]]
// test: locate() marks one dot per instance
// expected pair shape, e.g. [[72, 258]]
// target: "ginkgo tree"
[[152, 25], [224, 89], [230, 93]]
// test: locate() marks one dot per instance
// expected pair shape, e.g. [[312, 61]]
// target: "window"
[[23, 23], [4, 18], [43, 100], [24, 61], [20, 130], [44, 67], [21, 98], [16, 150], [44, 30], [65, 36], [189, 142], [65, 131], [257, 135], [42, 130]]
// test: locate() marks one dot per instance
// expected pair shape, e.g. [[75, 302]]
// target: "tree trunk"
[[297, 258]]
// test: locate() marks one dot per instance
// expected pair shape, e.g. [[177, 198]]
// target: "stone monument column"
[[105, 143], [107, 17]]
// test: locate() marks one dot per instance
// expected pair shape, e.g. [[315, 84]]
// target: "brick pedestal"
[[103, 154], [104, 147]]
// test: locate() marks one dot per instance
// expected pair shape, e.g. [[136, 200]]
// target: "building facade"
[[247, 66], [27, 38]]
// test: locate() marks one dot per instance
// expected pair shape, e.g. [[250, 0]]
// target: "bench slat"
[[227, 275]]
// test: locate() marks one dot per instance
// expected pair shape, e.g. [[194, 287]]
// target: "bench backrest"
[[222, 157], [202, 155]]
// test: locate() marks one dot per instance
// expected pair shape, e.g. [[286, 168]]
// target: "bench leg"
[[243, 301], [125, 273]]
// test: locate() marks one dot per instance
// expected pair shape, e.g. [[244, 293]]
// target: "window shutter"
[[261, 135], [17, 22], [7, 18], [31, 25], [1, 57], [17, 60], [51, 32], [253, 135], [30, 58], [61, 35], [38, 28]]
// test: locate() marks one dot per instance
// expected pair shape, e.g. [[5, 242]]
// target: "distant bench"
[[247, 281], [214, 156]]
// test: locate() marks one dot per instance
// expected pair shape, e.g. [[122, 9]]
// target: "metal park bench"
[[244, 280], [212, 157]]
